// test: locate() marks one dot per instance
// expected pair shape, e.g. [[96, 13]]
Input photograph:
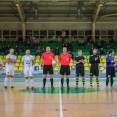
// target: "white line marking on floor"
[[60, 101]]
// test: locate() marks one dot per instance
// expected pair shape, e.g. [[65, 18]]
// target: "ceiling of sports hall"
[[58, 10]]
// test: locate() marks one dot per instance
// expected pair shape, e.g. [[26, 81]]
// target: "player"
[[46, 63], [10, 62], [28, 62], [94, 60], [110, 70], [65, 59], [79, 61]]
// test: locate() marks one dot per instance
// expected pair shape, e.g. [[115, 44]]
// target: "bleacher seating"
[[53, 45]]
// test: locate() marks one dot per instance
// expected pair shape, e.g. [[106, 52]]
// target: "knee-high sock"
[[111, 81], [11, 81], [91, 80], [62, 81], [107, 81], [67, 81], [44, 82], [32, 82], [83, 81], [77, 80], [26, 81], [97, 81], [5, 81], [51, 80]]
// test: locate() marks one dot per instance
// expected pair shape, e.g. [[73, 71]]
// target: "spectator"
[[42, 51], [28, 42], [102, 42], [90, 42], [38, 52], [91, 51], [81, 42], [56, 51], [31, 44], [0, 48], [99, 45], [69, 46], [3, 49], [108, 45], [16, 48], [65, 44], [20, 39], [35, 42], [72, 56], [102, 52], [8, 47], [63, 35]]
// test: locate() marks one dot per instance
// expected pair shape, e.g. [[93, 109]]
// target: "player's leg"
[[45, 71], [31, 79], [26, 75], [82, 74], [97, 77], [107, 77], [51, 76], [111, 78], [11, 77], [67, 76], [6, 78], [62, 71], [77, 78], [91, 77]]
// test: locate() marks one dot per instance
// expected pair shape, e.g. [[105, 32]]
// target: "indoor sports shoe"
[[5, 87], [52, 88], [98, 87], [62, 88], [68, 88], [106, 87], [27, 88], [43, 88], [112, 87], [91, 87], [76, 87], [33, 88], [12, 87]]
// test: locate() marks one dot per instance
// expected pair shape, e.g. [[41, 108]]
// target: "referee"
[[46, 63], [94, 60], [64, 59], [79, 61], [110, 70]]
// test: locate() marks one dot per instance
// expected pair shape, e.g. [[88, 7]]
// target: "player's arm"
[[75, 61], [23, 61], [83, 60], [98, 59], [90, 59], [108, 60], [14, 60], [8, 60], [0, 62]]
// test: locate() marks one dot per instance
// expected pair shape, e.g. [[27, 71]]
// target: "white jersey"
[[0, 61], [27, 61], [10, 64]]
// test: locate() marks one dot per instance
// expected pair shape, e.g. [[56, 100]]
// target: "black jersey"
[[77, 59], [92, 60]]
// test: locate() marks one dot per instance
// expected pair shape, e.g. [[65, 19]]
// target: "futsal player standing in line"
[[94, 60], [0, 62], [65, 59], [46, 63], [79, 61], [10, 62], [110, 70]]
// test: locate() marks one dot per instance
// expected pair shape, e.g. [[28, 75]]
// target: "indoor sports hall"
[[77, 25]]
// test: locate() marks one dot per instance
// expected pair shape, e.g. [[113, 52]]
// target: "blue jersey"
[[109, 61]]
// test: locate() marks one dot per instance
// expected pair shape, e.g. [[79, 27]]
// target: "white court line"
[[60, 101]]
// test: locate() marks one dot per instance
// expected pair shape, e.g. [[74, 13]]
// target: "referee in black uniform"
[[94, 60], [79, 61]]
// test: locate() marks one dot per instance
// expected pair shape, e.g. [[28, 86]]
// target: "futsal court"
[[84, 102]]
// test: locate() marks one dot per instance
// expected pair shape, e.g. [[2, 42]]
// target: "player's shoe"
[[106, 87], [43, 88], [33, 88], [91, 87], [62, 88], [5, 87], [27, 88], [98, 87], [76, 87], [12, 87], [112, 87], [52, 88], [68, 88]]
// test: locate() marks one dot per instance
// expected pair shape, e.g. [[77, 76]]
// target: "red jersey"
[[65, 59], [47, 58]]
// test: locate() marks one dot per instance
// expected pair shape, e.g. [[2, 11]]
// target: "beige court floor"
[[24, 104]]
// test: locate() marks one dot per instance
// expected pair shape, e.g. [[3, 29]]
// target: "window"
[[13, 34], [51, 34], [74, 33], [43, 33], [35, 34], [6, 34]]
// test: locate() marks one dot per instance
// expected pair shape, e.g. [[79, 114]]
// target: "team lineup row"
[[48, 59]]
